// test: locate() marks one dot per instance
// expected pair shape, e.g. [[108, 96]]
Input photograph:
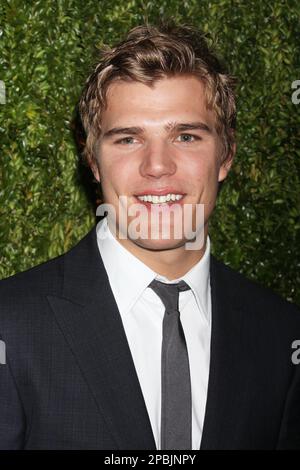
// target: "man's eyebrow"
[[123, 130], [184, 126], [171, 126]]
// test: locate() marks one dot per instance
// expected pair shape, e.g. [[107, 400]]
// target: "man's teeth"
[[160, 199]]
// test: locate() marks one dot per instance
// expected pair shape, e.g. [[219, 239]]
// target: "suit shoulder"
[[42, 278], [249, 292]]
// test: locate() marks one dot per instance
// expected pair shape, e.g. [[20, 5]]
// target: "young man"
[[139, 342]]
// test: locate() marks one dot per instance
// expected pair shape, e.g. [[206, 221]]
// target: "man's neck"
[[170, 263]]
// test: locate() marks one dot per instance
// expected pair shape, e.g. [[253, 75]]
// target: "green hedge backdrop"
[[46, 51]]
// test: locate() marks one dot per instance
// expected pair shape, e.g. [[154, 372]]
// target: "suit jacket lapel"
[[228, 378], [89, 318]]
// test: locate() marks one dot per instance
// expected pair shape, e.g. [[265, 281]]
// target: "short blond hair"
[[149, 53]]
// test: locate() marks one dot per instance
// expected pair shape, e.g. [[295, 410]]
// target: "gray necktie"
[[176, 399]]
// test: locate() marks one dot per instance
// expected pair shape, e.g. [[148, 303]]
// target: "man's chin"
[[159, 244]]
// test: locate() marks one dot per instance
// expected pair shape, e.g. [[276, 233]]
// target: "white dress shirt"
[[142, 313]]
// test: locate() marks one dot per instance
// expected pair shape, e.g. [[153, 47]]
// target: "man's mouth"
[[156, 199]]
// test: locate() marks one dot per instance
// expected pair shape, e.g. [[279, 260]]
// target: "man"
[[138, 342]]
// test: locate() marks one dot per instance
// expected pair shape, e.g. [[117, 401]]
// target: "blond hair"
[[150, 53]]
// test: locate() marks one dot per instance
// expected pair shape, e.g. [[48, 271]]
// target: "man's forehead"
[[129, 104], [184, 81]]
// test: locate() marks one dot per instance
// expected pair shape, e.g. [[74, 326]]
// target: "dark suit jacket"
[[69, 381]]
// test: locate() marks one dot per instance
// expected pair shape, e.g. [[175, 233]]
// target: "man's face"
[[157, 155]]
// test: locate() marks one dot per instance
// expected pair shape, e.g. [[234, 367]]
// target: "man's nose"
[[157, 160]]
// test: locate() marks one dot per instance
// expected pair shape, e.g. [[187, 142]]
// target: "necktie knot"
[[169, 293]]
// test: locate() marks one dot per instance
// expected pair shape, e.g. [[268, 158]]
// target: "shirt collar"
[[129, 276]]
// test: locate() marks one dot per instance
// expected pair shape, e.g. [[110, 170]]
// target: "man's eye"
[[189, 136], [124, 140]]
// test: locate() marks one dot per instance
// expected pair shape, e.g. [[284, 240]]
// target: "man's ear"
[[227, 163]]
